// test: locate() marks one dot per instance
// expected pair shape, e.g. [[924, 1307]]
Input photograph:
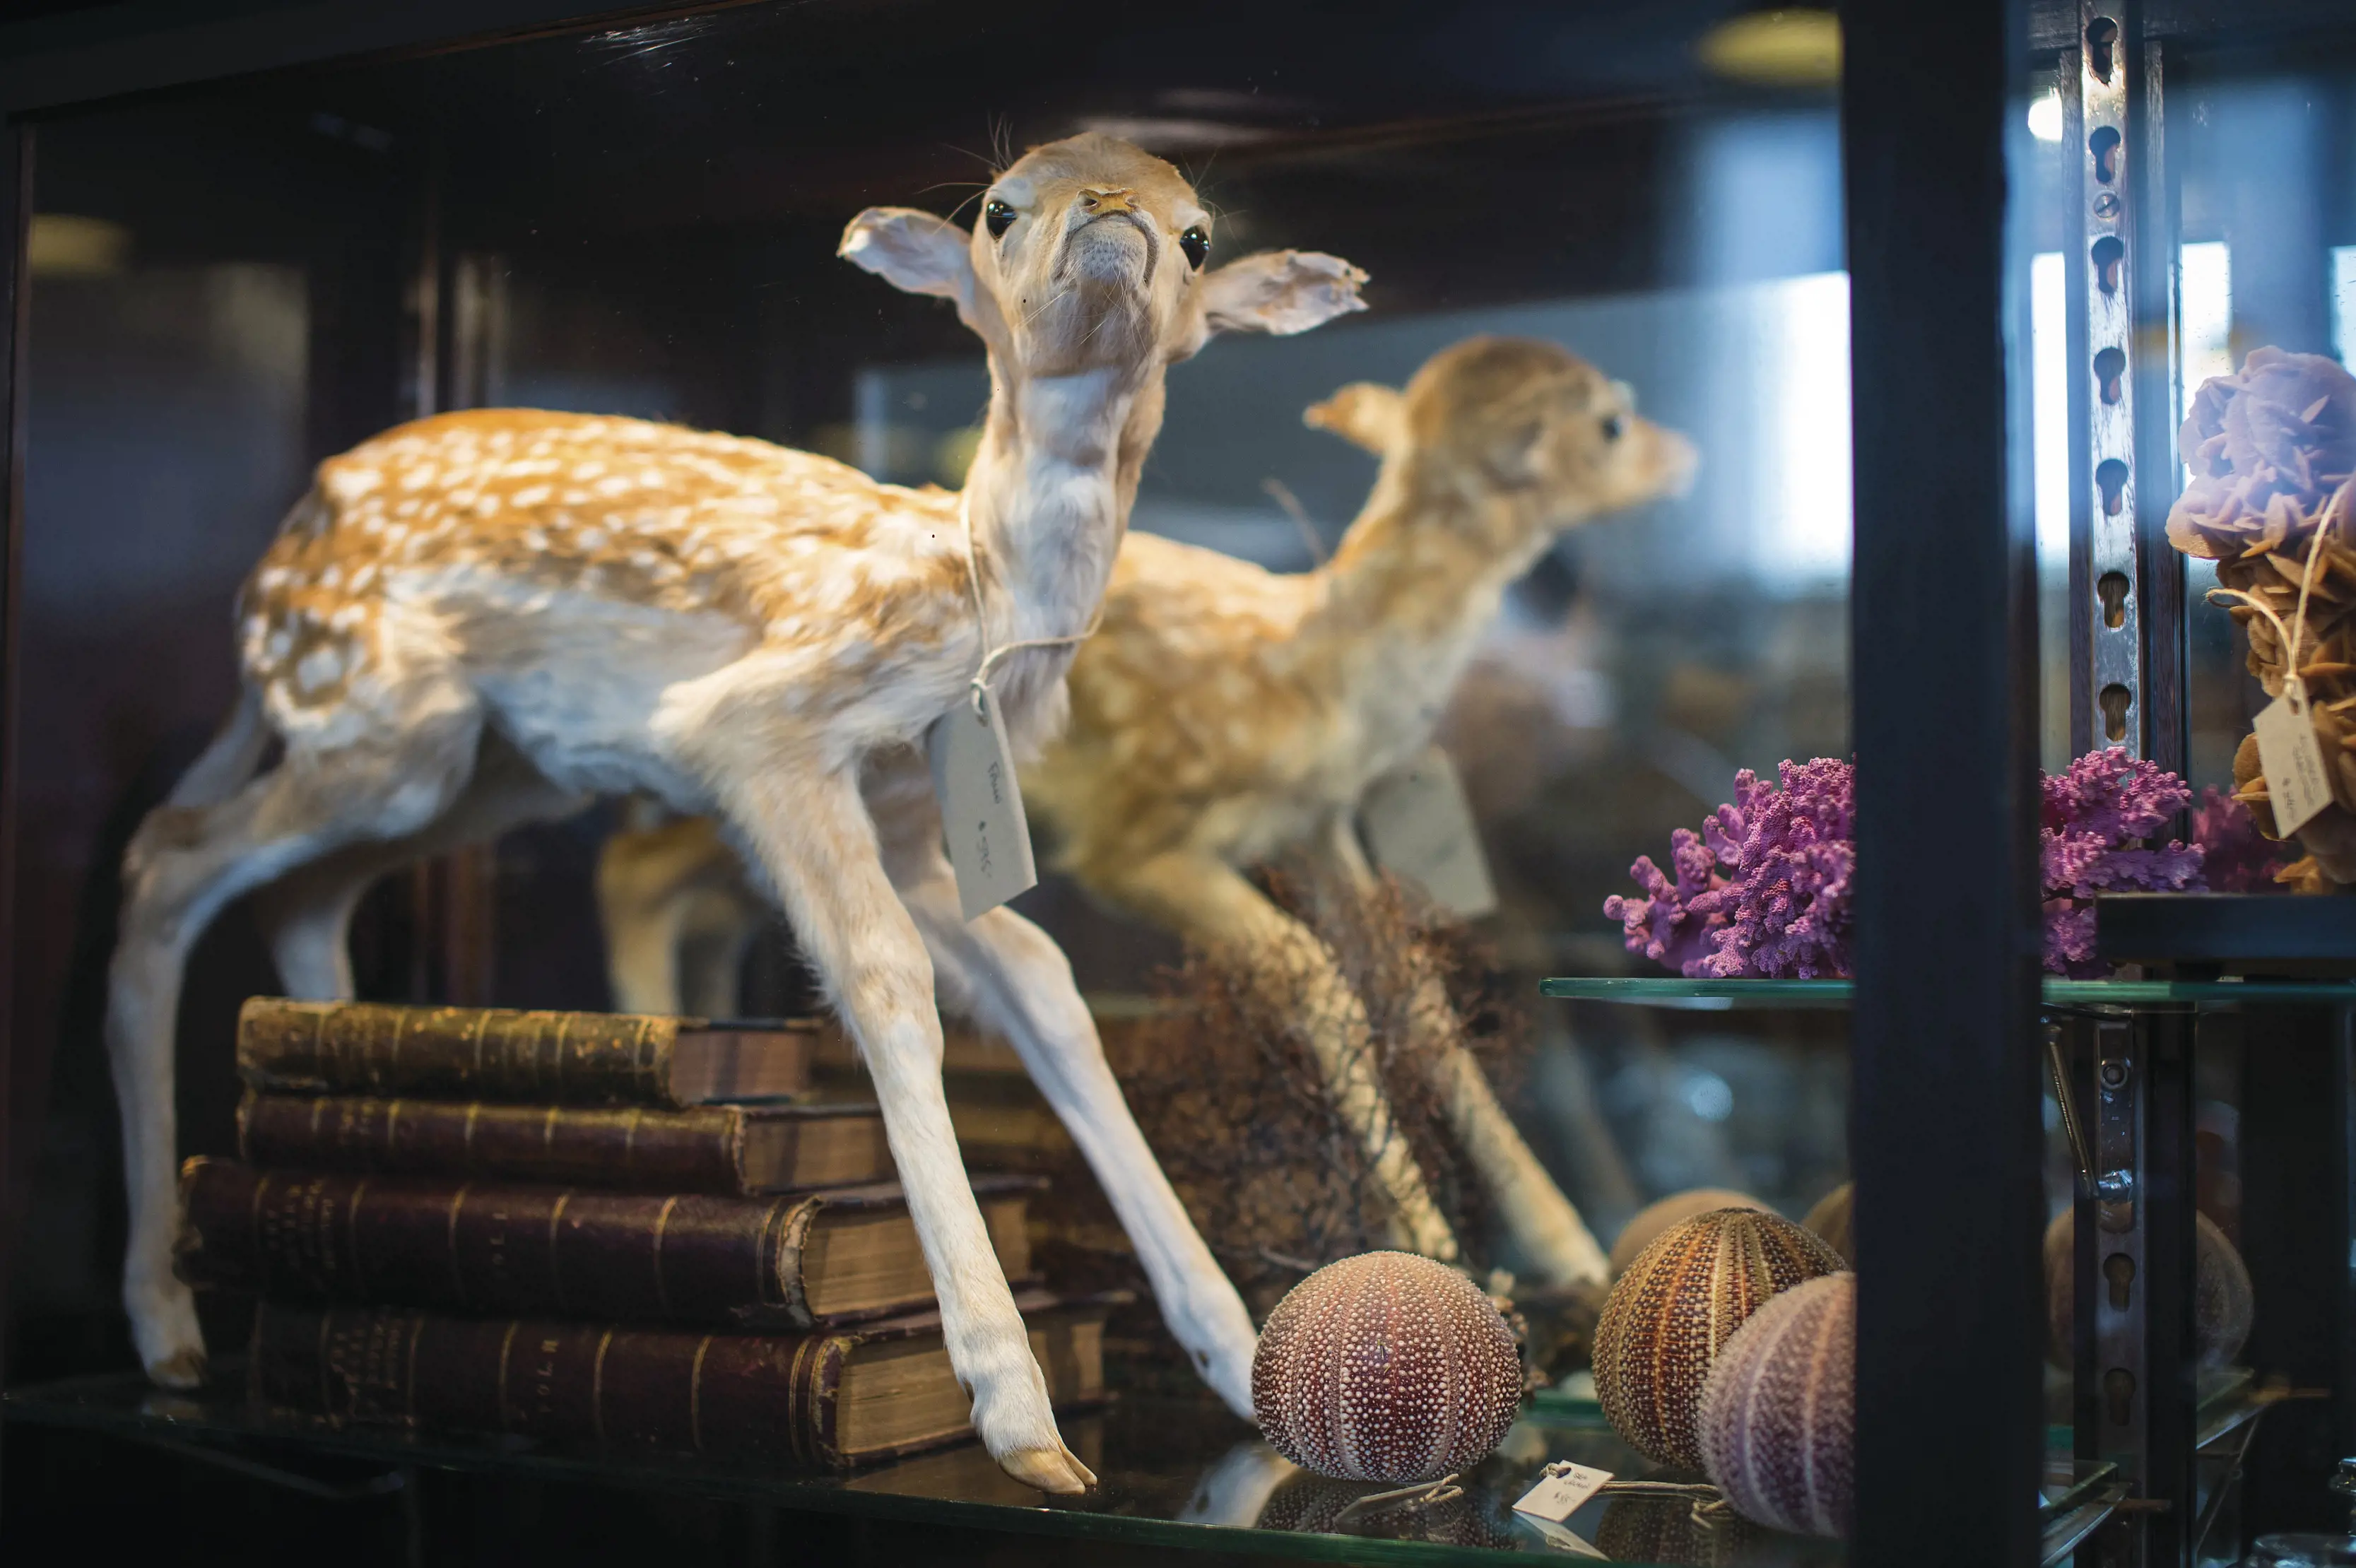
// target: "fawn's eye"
[[999, 217], [1612, 427], [1197, 246]]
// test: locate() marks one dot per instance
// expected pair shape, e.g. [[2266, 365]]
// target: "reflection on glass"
[[2344, 304], [2048, 352]]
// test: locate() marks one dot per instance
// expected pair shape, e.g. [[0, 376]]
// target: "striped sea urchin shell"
[[1658, 1216], [1674, 1311], [1779, 1411], [1386, 1366]]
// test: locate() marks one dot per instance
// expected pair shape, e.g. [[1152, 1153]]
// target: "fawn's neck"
[[1050, 489], [1416, 580]]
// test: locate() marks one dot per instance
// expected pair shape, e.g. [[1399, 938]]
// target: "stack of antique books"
[[586, 1226]]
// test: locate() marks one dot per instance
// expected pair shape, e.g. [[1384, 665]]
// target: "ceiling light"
[[1776, 48], [66, 245]]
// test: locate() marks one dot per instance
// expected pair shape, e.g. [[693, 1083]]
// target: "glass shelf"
[[1173, 1473], [1725, 996]]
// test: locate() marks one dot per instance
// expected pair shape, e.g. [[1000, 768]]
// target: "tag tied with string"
[[2298, 787], [1418, 824], [1561, 1489], [972, 761], [981, 805]]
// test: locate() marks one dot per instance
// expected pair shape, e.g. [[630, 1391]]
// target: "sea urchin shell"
[[1386, 1366], [1779, 1410], [1674, 1311], [2224, 1309], [1654, 1218], [1835, 1220]]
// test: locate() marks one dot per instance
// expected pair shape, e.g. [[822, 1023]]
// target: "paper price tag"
[[1561, 1490], [1419, 825], [2297, 784], [981, 805], [1562, 1538]]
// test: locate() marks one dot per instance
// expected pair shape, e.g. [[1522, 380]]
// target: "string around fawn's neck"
[[991, 653]]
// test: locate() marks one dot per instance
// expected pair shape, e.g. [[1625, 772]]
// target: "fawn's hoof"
[[164, 1328], [180, 1370], [1055, 1469]]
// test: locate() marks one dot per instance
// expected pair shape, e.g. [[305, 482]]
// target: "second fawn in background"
[[1226, 715]]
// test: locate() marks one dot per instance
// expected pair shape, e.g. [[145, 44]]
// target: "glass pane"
[[2184, 207], [1425, 626]]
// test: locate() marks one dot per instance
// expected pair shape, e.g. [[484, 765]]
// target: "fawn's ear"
[[1364, 412], [914, 251], [1281, 292]]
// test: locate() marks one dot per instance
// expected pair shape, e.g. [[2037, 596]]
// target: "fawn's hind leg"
[[183, 865], [1545, 1226], [666, 895], [307, 915], [1211, 904]]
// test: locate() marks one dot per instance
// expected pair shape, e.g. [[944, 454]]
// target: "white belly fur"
[[576, 691]]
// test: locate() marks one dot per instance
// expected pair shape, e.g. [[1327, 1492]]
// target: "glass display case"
[[1900, 313]]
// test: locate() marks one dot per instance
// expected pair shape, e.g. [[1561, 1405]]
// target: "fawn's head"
[[1093, 254], [1512, 418]]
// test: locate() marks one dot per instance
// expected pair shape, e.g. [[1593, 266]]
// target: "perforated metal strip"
[[2105, 263]]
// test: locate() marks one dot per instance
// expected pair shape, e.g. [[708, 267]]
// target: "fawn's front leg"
[[1544, 1225], [815, 841], [1013, 979]]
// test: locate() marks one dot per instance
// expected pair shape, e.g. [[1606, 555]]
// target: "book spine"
[[697, 1150], [751, 1394], [468, 1247], [457, 1053]]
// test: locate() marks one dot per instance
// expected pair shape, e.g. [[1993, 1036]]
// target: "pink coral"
[[1664, 926], [2104, 802], [1783, 912], [2236, 857], [1762, 891]]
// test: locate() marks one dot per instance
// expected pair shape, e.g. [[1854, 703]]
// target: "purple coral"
[[1666, 926], [2236, 857], [1762, 891], [2103, 801], [1782, 911]]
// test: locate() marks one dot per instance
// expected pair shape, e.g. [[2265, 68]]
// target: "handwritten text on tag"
[[982, 807], [1419, 825], [1561, 1490], [2297, 785]]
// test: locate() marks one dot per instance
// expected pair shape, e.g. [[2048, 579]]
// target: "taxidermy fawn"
[[484, 618], [1225, 715]]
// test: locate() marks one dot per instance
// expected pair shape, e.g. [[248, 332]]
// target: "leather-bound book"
[[495, 1053], [457, 1246], [737, 1150], [835, 1397]]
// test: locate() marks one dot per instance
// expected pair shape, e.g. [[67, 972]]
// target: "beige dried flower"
[[2269, 450]]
